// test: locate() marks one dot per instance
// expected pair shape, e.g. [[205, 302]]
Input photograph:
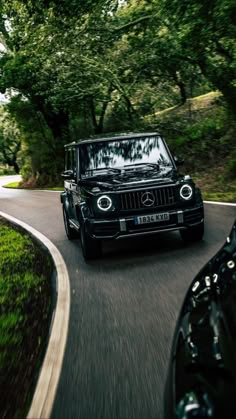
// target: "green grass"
[[17, 185], [13, 185], [215, 186], [194, 104], [25, 289], [220, 197]]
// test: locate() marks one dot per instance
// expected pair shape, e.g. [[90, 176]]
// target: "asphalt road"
[[123, 310]]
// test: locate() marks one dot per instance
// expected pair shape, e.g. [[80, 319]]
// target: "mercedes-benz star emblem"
[[148, 199]]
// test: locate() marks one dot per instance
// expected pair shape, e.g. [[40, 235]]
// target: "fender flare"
[[80, 211], [64, 201]]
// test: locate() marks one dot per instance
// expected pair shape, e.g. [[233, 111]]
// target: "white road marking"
[[229, 204]]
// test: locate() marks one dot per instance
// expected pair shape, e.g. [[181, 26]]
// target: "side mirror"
[[179, 161], [68, 174]]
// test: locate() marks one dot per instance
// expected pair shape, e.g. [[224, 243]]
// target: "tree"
[[153, 53], [54, 75], [84, 67], [206, 31]]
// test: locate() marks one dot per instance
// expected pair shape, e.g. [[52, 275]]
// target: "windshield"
[[125, 154]]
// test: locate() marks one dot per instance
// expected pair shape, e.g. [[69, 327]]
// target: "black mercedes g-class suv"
[[127, 185]]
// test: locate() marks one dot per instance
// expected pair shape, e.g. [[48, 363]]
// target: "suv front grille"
[[147, 199]]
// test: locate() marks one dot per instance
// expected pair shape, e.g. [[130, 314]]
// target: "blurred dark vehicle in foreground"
[[201, 381]]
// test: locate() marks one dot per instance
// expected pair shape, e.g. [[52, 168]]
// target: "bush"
[[202, 133], [26, 172], [204, 142], [231, 167], [15, 252], [7, 172]]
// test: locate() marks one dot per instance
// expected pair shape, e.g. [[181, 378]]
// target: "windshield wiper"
[[111, 169], [165, 164], [153, 165]]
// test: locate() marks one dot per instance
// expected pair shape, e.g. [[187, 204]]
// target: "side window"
[[77, 156], [70, 160], [73, 161], [67, 159]]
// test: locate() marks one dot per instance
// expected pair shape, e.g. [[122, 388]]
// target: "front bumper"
[[124, 227]]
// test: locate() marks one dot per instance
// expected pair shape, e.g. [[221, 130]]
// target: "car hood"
[[128, 178]]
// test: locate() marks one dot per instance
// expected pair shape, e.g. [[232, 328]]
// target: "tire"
[[70, 232], [193, 234], [91, 248]]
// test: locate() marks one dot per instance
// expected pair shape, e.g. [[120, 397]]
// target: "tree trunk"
[[104, 108], [229, 94], [93, 115], [182, 88], [183, 93], [16, 167], [224, 82]]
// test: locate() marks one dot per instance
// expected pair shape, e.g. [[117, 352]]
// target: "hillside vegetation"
[[203, 133]]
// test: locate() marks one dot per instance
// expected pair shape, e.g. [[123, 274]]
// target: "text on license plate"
[[152, 218]]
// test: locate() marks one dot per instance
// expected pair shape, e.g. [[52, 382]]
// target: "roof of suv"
[[111, 137]]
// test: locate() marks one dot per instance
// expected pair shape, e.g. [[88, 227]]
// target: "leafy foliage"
[[202, 132], [206, 31], [81, 68]]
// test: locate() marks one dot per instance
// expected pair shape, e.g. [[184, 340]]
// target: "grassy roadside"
[[202, 132], [214, 188], [17, 185], [220, 197], [25, 301]]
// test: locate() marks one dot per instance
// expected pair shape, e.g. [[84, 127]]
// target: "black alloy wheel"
[[193, 234], [91, 248]]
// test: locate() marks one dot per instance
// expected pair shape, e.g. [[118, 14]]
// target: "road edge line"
[[45, 391], [228, 204]]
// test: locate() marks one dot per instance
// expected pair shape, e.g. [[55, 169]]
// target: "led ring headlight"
[[104, 203], [186, 192]]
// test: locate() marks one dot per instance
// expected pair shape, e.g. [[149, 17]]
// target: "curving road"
[[123, 310]]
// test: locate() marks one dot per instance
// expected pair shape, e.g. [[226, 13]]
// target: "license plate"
[[152, 218]]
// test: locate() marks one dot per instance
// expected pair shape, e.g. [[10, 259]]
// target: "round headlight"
[[186, 192], [104, 203]]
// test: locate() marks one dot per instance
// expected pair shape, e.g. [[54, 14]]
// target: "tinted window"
[[70, 160]]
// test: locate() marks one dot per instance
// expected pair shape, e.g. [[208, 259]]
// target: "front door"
[[71, 184]]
